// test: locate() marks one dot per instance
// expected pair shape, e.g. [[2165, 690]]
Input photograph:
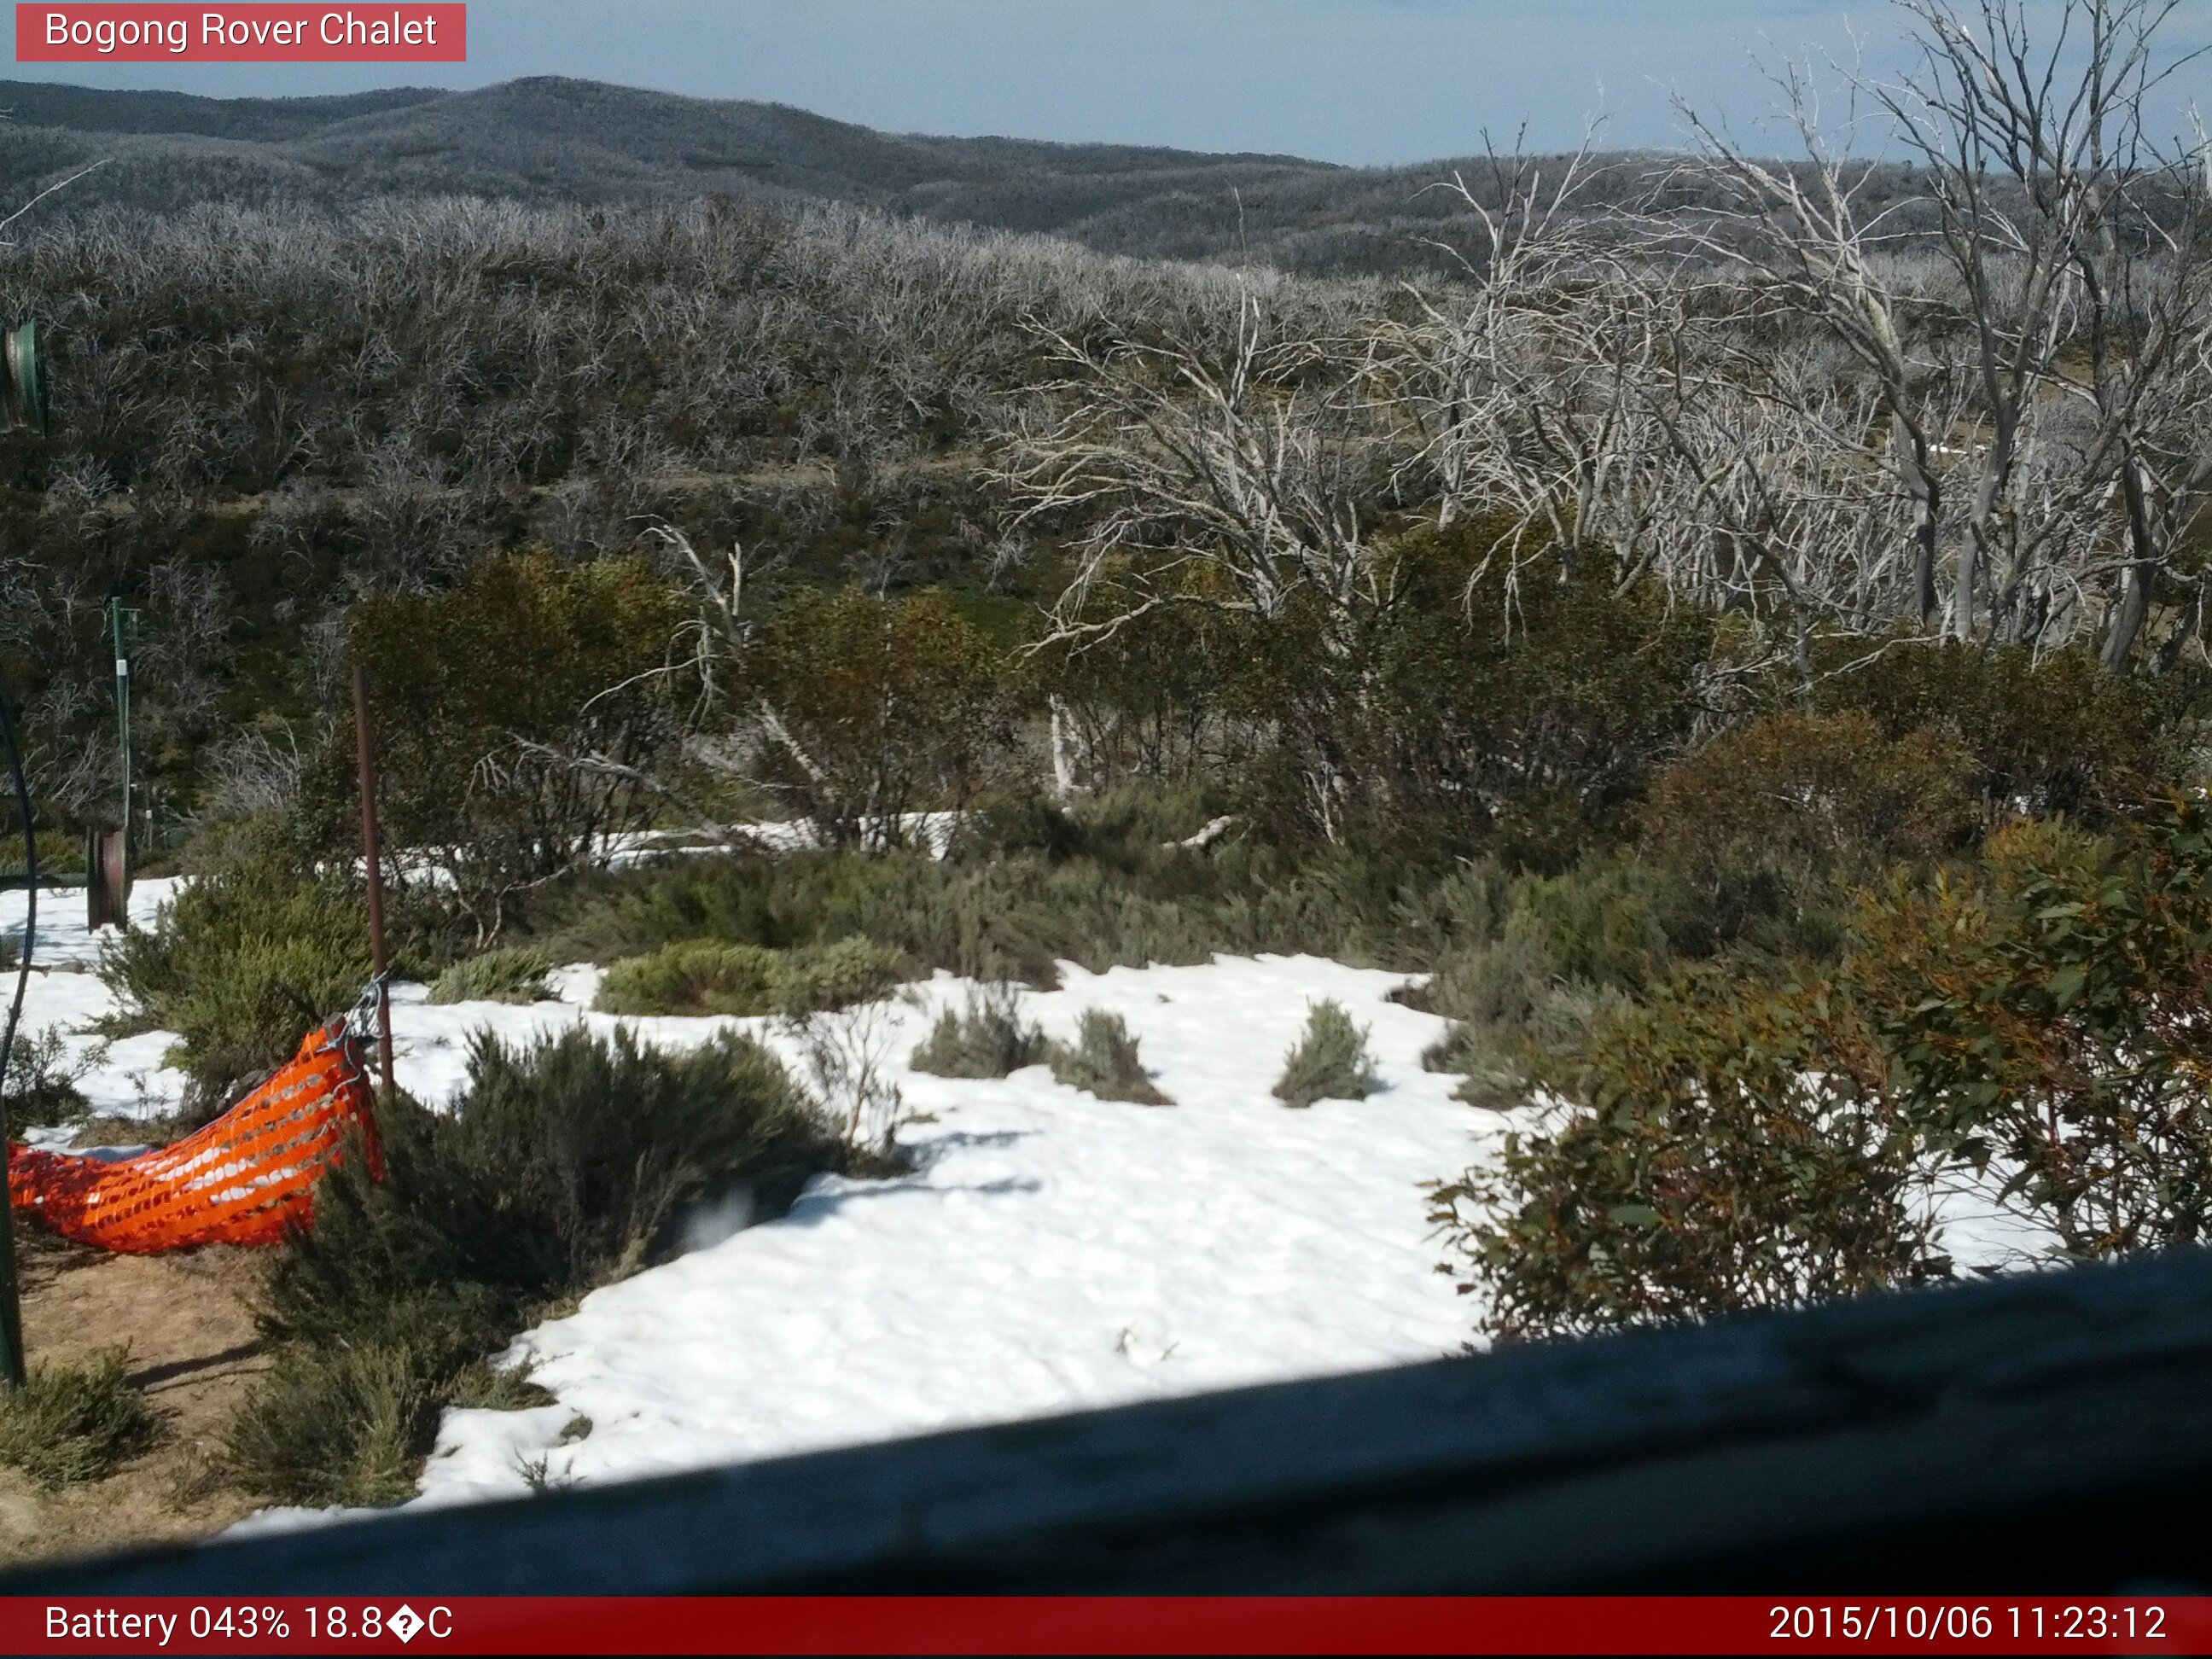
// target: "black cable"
[[30, 900]]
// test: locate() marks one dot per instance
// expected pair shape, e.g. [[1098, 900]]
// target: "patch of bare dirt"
[[185, 1318]]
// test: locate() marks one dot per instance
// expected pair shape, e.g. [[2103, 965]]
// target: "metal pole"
[[11, 1309], [116, 614], [365, 751]]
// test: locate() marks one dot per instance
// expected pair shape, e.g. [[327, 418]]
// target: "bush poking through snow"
[[41, 1083], [1103, 1060], [563, 1167], [76, 1423], [510, 973], [709, 977], [483, 1386], [1735, 1151], [848, 1057], [694, 977], [986, 1038], [837, 975], [1328, 1062]]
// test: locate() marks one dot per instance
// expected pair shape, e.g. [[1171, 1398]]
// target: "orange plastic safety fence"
[[244, 1179]]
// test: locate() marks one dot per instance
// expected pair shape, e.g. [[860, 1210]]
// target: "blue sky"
[[1354, 80]]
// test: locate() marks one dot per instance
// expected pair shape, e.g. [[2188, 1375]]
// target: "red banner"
[[80, 33], [1105, 1625]]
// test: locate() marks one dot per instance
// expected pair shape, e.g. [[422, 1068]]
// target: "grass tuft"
[[514, 973], [986, 1038], [76, 1423], [1103, 1060], [335, 1425], [1329, 1061]]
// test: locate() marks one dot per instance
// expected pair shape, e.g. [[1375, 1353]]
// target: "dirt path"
[[184, 1318]]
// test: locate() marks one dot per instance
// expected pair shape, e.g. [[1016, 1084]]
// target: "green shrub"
[[1012, 916], [1329, 1060], [887, 707], [61, 857], [68, 1424], [2048, 732], [1537, 958], [1102, 1061], [706, 976], [1751, 1139], [563, 1167], [696, 977], [836, 976], [41, 1084], [507, 974], [988, 1037], [593, 1148], [1809, 795], [335, 1426], [1736, 1151], [482, 690], [2052, 1005], [241, 964], [1513, 716]]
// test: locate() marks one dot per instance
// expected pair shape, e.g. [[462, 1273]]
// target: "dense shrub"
[[337, 1426], [241, 963], [1034, 883], [1537, 959], [561, 1167], [824, 978], [1103, 1060], [696, 977], [1152, 701], [1734, 1150], [2036, 1020], [987, 1038], [707, 976], [1329, 1061], [68, 1424], [484, 695], [874, 708], [1522, 719], [504, 974], [2052, 1008], [1810, 795], [2048, 731]]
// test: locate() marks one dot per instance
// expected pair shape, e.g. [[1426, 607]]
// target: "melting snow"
[[1050, 1251]]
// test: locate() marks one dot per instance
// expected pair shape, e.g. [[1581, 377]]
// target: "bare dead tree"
[[1528, 384], [2075, 249], [1240, 481]]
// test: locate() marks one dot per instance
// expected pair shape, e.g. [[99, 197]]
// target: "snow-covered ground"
[[1050, 1252], [122, 1078]]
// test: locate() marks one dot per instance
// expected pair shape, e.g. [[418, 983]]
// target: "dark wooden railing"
[[2049, 1432]]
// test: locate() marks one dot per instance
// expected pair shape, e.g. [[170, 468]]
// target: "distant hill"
[[551, 138], [260, 120]]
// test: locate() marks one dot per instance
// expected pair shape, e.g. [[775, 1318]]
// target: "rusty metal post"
[[372, 851]]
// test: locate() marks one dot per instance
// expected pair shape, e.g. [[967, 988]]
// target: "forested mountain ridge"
[[549, 138], [99, 109]]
